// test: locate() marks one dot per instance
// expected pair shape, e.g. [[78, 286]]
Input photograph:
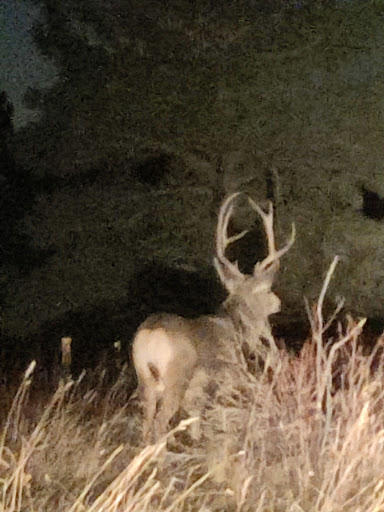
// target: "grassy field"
[[305, 435]]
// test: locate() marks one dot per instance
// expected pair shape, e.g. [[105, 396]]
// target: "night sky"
[[22, 66]]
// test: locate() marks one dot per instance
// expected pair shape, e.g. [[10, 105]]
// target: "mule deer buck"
[[168, 349]]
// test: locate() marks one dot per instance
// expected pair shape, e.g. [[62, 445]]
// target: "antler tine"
[[267, 219], [223, 241], [273, 255], [223, 222], [271, 258]]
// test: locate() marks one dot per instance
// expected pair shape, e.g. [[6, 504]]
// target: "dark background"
[[109, 199]]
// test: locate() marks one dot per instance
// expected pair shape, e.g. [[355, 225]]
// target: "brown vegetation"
[[293, 440]]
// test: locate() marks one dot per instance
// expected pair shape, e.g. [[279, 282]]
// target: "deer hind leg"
[[176, 382], [151, 396], [162, 396]]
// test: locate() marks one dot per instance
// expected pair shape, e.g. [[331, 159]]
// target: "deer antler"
[[229, 272], [265, 270], [272, 262]]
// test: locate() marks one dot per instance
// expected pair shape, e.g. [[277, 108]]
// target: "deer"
[[168, 349]]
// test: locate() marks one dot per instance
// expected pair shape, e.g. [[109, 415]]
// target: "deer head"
[[250, 300]]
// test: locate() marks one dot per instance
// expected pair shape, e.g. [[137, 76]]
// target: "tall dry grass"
[[305, 436]]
